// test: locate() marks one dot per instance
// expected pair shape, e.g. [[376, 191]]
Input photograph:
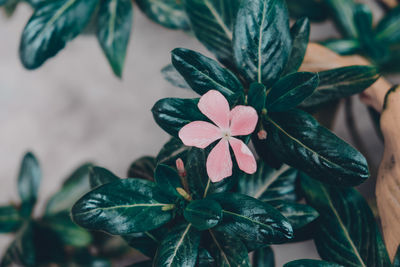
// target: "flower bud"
[[262, 134], [180, 167]]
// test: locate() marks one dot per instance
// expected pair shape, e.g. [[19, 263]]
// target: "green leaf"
[[251, 220], [256, 97], [146, 242], [298, 215], [262, 41], [396, 261], [10, 219], [168, 180], [291, 90], [51, 27], [70, 233], [340, 83], [114, 24], [300, 33], [343, 46], [363, 22], [388, 28], [212, 22], [171, 151], [228, 250], [179, 247], [168, 13], [205, 259], [347, 233], [311, 263], [204, 74], [298, 140], [315, 10], [75, 186], [264, 257], [99, 176], [268, 184], [343, 15], [143, 168], [147, 263], [171, 114], [28, 183], [203, 214], [174, 77], [122, 207]]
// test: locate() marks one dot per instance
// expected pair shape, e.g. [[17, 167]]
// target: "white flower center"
[[226, 134]]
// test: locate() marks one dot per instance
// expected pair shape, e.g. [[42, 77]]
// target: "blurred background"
[[73, 110]]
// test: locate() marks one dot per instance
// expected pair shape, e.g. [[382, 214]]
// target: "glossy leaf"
[[291, 90], [171, 151], [168, 180], [146, 242], [343, 14], [203, 214], [363, 21], [264, 257], [205, 259], [228, 250], [300, 33], [298, 140], [340, 83], [75, 186], [216, 33], [311, 263], [10, 219], [388, 28], [256, 97], [179, 247], [99, 176], [114, 24], [396, 261], [262, 40], [143, 168], [343, 46], [268, 184], [315, 10], [168, 13], [347, 233], [28, 183], [51, 27], [174, 77], [171, 114], [204, 74], [122, 207], [251, 219]]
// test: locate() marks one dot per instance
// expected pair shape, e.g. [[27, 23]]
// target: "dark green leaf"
[[171, 151], [363, 22], [212, 22], [99, 176], [28, 183], [147, 263], [204, 74], [298, 140], [256, 97], [347, 232], [298, 215], [51, 26], [396, 261], [10, 219], [300, 33], [171, 114], [205, 259], [168, 180], [264, 257], [228, 250], [114, 24], [203, 214], [143, 168], [179, 247], [75, 186], [146, 242], [388, 28], [340, 83], [122, 207], [311, 263], [343, 46], [262, 41], [343, 14], [70, 233], [168, 13], [251, 220], [174, 77], [269, 184], [291, 90], [315, 10]]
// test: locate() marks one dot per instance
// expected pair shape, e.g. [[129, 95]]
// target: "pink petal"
[[199, 134], [243, 120], [219, 162], [215, 106], [244, 157]]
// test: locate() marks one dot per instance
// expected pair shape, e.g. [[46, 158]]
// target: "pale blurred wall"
[[73, 109]]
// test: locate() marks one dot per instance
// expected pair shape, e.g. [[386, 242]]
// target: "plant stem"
[[207, 187]]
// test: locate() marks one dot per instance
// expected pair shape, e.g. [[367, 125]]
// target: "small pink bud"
[[262, 135], [180, 167]]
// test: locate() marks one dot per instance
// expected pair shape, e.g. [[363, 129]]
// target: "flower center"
[[226, 134]]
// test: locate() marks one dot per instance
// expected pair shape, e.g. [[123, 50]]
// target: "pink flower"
[[241, 120]]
